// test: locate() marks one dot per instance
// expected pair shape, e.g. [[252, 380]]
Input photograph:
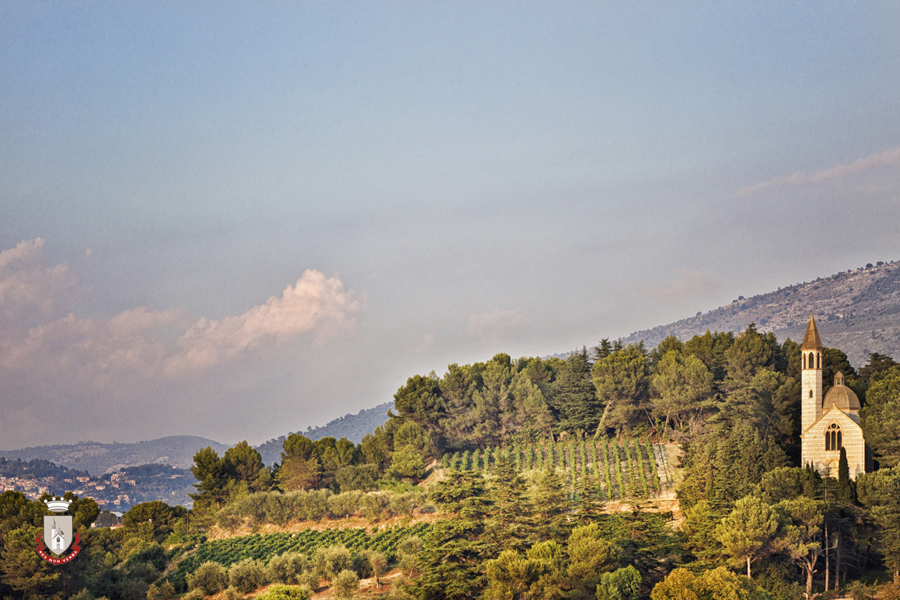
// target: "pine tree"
[[508, 519], [454, 549], [748, 532], [550, 506]]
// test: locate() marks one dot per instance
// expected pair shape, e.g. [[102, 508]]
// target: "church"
[[830, 423]]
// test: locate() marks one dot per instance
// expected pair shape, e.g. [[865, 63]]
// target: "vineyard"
[[609, 469], [265, 546]]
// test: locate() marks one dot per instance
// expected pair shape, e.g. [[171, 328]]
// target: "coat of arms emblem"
[[59, 534]]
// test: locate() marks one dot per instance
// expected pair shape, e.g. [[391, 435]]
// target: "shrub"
[[227, 518], [194, 595], [377, 563], [332, 560], [346, 584], [287, 568], [246, 575], [309, 505], [160, 592], [344, 505], [889, 592], [286, 592], [408, 553], [231, 594], [375, 506], [276, 509], [404, 504], [209, 578]]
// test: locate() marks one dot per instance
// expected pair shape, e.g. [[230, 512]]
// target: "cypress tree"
[[845, 491], [609, 488]]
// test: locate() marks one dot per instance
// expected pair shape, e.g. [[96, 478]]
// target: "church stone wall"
[[852, 440]]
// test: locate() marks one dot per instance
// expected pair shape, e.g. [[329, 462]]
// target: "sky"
[[240, 219]]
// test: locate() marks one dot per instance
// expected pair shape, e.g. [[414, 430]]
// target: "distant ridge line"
[[858, 310]]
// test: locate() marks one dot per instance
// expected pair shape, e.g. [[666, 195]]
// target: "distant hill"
[[178, 451], [857, 311], [97, 459], [353, 427]]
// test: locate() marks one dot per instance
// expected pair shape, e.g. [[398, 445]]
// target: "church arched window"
[[810, 393], [833, 437], [818, 360]]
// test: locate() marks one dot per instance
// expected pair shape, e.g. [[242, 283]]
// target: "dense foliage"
[[527, 454]]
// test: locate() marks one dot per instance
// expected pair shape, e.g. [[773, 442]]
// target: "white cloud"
[[314, 303], [31, 293], [38, 339], [886, 158], [494, 326]]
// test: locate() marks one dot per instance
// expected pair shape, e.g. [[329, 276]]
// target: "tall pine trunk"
[[827, 559]]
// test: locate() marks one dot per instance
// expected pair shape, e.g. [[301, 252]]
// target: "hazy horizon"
[[235, 221]]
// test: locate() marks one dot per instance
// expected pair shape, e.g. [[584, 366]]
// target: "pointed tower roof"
[[811, 340]]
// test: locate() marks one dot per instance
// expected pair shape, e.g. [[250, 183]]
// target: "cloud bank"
[[47, 352], [886, 158], [494, 326]]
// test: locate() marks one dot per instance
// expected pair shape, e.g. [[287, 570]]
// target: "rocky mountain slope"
[[857, 311]]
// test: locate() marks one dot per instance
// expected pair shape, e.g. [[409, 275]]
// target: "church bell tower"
[[811, 396]]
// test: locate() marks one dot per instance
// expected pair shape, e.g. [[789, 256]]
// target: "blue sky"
[[239, 219]]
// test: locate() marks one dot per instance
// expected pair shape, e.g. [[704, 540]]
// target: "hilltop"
[[350, 426], [178, 451], [857, 310], [98, 459]]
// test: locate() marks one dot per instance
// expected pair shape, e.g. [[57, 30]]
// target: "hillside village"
[[114, 491]]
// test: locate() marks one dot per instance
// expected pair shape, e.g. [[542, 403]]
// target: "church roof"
[[840, 396], [811, 340]]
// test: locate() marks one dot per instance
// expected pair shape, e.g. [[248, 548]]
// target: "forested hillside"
[[353, 427], [857, 311], [495, 480]]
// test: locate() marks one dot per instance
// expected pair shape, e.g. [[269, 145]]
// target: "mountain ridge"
[[857, 311], [98, 459]]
